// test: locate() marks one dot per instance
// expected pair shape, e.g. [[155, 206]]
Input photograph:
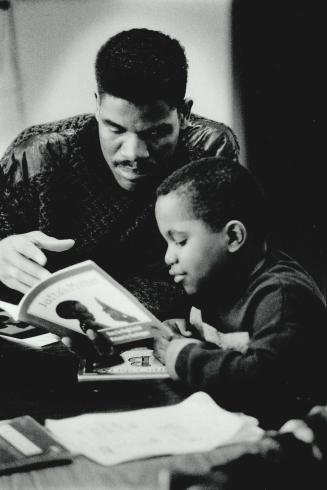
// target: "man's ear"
[[236, 235], [185, 112], [97, 104]]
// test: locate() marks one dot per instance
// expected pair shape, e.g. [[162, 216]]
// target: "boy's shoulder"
[[284, 275]]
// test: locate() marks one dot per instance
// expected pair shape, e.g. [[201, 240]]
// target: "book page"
[[9, 308], [194, 425]]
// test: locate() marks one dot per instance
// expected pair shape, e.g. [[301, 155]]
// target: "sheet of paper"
[[197, 424], [36, 341], [41, 340]]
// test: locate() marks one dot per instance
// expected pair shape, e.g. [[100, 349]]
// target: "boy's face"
[[137, 142], [196, 255]]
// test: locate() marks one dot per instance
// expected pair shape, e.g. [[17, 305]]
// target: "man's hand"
[[97, 348], [22, 260]]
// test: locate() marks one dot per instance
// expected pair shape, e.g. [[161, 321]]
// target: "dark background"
[[278, 62]]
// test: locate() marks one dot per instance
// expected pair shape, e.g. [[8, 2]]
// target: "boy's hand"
[[178, 327], [160, 346], [169, 330]]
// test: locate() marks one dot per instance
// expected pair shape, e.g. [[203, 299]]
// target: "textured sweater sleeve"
[[22, 171], [284, 358]]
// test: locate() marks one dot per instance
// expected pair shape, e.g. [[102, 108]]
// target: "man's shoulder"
[[205, 137], [40, 145]]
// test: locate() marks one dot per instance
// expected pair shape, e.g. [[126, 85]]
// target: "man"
[[83, 188]]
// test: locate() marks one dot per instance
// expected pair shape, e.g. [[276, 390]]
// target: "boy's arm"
[[283, 360]]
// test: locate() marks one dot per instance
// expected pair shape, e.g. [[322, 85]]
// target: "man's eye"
[[156, 133], [114, 129], [181, 243]]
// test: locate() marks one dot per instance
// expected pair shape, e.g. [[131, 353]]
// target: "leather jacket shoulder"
[[40, 148], [46, 146], [203, 136]]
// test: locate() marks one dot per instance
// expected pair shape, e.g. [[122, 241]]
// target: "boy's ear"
[[236, 235], [185, 112]]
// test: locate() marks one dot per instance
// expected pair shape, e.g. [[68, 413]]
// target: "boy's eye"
[[181, 243]]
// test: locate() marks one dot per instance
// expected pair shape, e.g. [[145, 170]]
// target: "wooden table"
[[105, 396]]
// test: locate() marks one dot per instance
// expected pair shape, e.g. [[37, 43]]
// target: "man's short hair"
[[142, 65], [217, 190]]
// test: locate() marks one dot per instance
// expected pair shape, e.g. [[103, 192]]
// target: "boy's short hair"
[[142, 65], [217, 190]]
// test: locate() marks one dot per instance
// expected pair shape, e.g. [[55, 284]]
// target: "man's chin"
[[140, 183]]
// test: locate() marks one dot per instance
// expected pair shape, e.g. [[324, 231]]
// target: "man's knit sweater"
[[54, 178]]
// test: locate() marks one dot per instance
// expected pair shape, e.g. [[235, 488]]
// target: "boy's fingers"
[[178, 326], [162, 330]]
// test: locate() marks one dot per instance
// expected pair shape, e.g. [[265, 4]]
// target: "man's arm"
[[22, 262]]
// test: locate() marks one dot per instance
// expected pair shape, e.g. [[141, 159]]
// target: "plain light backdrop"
[[48, 47]]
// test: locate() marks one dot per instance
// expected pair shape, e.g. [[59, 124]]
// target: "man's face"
[[196, 255], [137, 142]]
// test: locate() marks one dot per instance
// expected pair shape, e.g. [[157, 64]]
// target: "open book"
[[84, 296], [138, 364]]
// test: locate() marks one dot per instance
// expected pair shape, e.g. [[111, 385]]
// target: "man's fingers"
[[16, 285], [101, 343], [50, 243], [28, 249], [300, 429], [67, 341], [20, 266]]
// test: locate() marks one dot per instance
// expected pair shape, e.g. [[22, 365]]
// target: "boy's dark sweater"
[[281, 375]]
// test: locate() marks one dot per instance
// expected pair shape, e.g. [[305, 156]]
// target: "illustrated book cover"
[[84, 296]]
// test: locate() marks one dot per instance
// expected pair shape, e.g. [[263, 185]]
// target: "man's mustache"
[[139, 164]]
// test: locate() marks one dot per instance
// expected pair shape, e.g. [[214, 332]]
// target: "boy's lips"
[[177, 277]]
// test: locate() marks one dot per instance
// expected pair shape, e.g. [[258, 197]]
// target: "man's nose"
[[134, 147]]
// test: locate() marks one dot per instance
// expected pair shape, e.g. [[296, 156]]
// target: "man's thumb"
[[55, 245]]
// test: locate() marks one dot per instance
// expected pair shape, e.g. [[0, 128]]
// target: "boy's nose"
[[134, 148], [170, 257]]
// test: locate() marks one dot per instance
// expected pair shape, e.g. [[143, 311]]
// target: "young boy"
[[256, 340]]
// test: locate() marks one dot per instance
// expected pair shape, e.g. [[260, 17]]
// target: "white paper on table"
[[194, 425], [36, 341]]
